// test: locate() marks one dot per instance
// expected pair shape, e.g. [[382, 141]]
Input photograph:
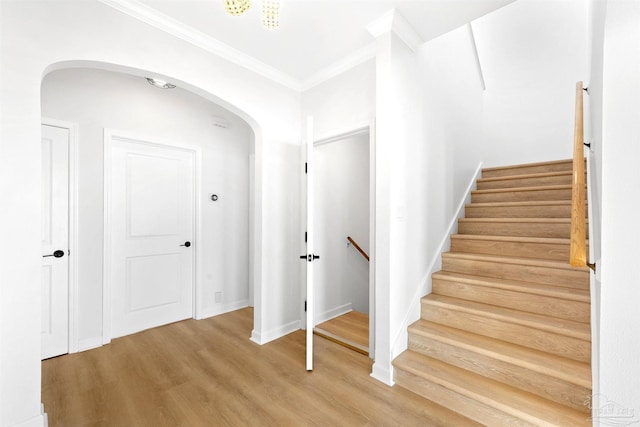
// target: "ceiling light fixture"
[[271, 14], [270, 11], [237, 7], [160, 83]]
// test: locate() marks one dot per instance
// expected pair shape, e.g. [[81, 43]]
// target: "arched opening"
[[98, 96]]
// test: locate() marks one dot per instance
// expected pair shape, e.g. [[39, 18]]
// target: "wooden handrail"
[[355, 245], [578, 238]]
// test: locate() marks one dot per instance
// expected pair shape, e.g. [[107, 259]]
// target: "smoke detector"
[[220, 122]]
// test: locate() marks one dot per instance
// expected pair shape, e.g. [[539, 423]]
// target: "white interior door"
[[152, 229], [311, 256], [55, 241]]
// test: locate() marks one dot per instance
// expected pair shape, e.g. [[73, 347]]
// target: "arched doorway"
[[141, 114]]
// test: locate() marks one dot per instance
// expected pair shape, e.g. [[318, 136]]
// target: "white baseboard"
[[274, 333], [37, 421], [90, 343], [256, 337], [95, 342], [383, 374], [333, 313], [219, 309]]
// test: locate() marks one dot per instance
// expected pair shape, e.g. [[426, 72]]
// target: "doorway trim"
[[359, 130], [109, 136], [73, 342]]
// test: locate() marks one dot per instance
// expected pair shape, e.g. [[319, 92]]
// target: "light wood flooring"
[[350, 330], [208, 373]]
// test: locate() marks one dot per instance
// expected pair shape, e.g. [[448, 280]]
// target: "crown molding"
[[163, 22], [393, 21], [358, 57], [381, 25], [150, 16]]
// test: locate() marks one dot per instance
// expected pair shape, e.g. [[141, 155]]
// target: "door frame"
[[128, 136], [359, 130], [72, 229]]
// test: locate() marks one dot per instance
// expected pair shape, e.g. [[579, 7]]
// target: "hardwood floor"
[[350, 330], [208, 373]]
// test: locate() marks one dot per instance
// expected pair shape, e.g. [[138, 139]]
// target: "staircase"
[[504, 338]]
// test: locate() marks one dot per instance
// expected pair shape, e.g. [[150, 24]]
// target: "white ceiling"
[[314, 37]]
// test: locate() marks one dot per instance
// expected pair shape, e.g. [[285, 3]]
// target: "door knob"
[[186, 244], [57, 254]]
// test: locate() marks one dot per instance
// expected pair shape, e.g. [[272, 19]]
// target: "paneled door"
[[151, 233], [55, 241]]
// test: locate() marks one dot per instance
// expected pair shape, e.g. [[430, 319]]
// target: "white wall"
[[435, 126], [343, 103], [593, 134], [96, 99], [441, 160], [532, 53], [280, 237], [428, 107], [339, 105], [620, 277], [41, 36], [593, 120], [342, 209]]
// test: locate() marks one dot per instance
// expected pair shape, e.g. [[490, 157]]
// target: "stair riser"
[[500, 328], [457, 402], [522, 196], [543, 385], [553, 211], [549, 251], [516, 229], [564, 179], [539, 304], [577, 279], [526, 170]]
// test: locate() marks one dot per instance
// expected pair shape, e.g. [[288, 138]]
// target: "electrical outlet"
[[218, 297]]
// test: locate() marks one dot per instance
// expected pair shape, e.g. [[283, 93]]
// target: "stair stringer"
[[400, 341], [594, 213]]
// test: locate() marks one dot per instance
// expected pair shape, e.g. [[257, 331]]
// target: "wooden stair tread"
[[522, 203], [528, 175], [568, 162], [350, 329], [519, 267], [522, 296], [512, 189], [525, 179], [560, 367], [516, 260], [571, 294], [518, 220], [345, 342], [530, 239], [525, 226], [502, 397], [554, 325], [518, 208], [534, 244]]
